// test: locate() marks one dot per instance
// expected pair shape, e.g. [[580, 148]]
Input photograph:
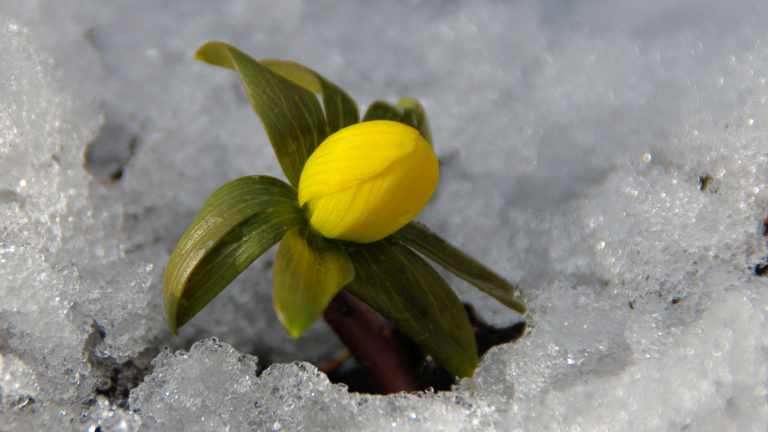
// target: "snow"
[[607, 155]]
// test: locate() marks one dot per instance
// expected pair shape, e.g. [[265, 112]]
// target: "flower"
[[349, 184], [368, 180]]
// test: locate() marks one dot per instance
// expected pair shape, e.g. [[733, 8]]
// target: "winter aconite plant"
[[343, 220]]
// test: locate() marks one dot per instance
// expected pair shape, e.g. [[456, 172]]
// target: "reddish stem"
[[371, 343]]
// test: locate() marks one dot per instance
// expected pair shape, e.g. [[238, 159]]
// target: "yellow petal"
[[368, 180], [353, 155]]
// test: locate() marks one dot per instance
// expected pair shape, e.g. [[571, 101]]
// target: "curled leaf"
[[340, 109], [238, 222], [290, 113]]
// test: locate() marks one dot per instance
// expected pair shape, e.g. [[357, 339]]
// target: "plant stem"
[[372, 344]]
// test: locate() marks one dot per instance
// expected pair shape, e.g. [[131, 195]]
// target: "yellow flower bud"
[[368, 180]]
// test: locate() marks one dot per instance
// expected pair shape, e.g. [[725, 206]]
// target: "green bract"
[[244, 218]]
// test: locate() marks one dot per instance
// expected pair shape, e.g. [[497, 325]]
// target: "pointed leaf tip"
[[215, 53], [432, 246], [309, 271]]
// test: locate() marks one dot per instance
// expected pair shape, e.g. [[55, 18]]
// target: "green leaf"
[[309, 271], [406, 290], [407, 111], [238, 222], [340, 109], [414, 115], [380, 110], [462, 265], [291, 114], [297, 73]]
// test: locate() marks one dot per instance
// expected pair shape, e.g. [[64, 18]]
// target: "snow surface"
[[610, 156]]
